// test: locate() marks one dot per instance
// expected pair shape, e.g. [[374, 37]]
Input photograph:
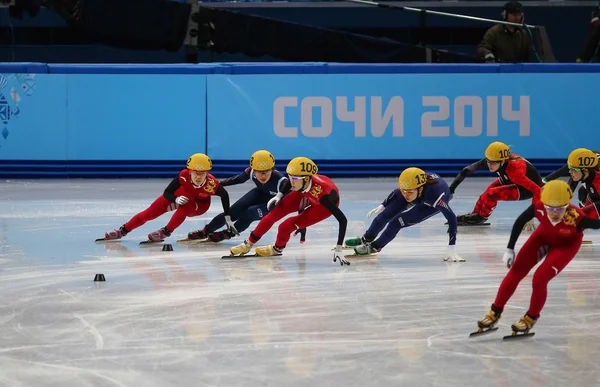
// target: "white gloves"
[[509, 257], [451, 255], [529, 226], [274, 201], [230, 226], [375, 211], [339, 254], [181, 200]]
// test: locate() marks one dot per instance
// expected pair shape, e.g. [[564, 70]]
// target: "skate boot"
[[365, 249], [474, 220], [488, 323], [116, 234], [352, 242], [159, 235], [522, 327], [241, 249], [462, 219], [198, 234], [268, 250], [219, 236]]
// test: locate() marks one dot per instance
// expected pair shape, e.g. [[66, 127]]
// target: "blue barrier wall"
[[354, 120]]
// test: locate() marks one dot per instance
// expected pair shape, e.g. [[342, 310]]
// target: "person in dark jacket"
[[590, 51], [507, 43]]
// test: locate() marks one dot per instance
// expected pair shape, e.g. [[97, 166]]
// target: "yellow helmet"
[[556, 193], [582, 158], [302, 166], [262, 160], [199, 162], [412, 178], [497, 151]]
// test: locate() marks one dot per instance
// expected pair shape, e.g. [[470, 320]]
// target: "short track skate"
[[483, 331], [249, 256], [373, 255], [104, 240], [149, 243], [188, 241], [519, 335]]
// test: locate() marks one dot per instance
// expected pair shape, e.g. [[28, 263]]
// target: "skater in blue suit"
[[419, 197]]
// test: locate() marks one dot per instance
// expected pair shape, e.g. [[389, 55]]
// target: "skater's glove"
[[339, 254], [302, 232], [509, 257], [230, 227], [181, 200], [375, 211], [274, 201], [452, 255]]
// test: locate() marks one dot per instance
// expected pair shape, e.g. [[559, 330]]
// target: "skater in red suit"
[[319, 198], [557, 240], [189, 195], [517, 180]]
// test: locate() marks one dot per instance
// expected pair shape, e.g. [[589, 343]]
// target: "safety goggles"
[[555, 210], [492, 162], [295, 178], [408, 191], [572, 168]]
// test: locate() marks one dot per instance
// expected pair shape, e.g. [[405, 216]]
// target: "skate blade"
[[470, 225], [586, 242], [484, 332], [188, 241], [249, 256], [518, 336], [366, 256], [102, 240], [151, 243], [344, 248]]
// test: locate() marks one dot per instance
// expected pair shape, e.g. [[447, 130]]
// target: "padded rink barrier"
[[354, 120]]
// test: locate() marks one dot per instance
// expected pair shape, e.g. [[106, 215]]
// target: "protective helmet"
[[199, 162], [556, 193], [497, 151], [412, 178], [302, 166], [262, 160], [582, 158]]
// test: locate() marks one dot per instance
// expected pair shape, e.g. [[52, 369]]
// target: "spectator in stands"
[[507, 43], [592, 46]]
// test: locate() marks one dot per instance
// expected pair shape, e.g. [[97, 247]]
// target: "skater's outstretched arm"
[[466, 171], [237, 179], [329, 201], [284, 186], [169, 192], [392, 197], [560, 172], [222, 193], [525, 217], [588, 223], [450, 217]]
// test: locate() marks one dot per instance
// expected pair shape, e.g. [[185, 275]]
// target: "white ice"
[[188, 318]]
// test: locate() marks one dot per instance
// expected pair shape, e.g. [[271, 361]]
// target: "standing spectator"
[[507, 43], [592, 46]]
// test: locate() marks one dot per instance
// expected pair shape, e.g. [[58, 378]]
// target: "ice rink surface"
[[189, 318]]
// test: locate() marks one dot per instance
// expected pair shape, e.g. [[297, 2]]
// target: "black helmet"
[[513, 7]]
